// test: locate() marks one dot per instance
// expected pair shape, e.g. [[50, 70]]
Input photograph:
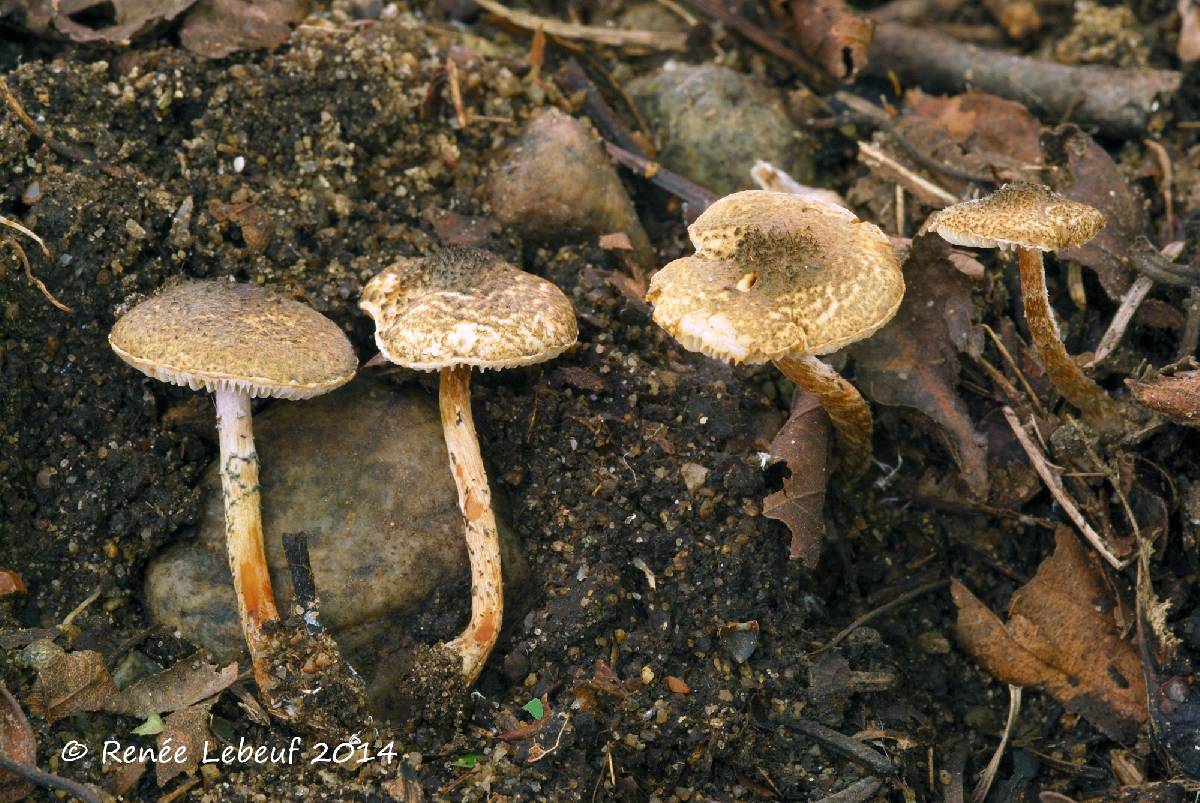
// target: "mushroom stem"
[[483, 541], [243, 524], [847, 409], [1070, 380]]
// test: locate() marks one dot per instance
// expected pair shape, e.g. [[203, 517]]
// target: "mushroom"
[[449, 312], [1031, 219], [781, 278], [238, 342]]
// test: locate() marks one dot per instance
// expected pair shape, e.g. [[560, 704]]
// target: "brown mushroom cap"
[[1018, 215], [218, 335], [465, 306], [777, 274]]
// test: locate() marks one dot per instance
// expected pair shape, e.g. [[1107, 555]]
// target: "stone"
[[364, 472], [713, 124], [555, 182]]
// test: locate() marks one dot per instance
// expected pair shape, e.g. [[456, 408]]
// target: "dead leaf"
[[217, 28], [617, 241], [256, 223], [1188, 47], [833, 36], [1085, 172], [803, 445], [18, 744], [983, 124], [188, 728], [913, 361], [184, 684], [131, 18], [1061, 634], [71, 682], [11, 583], [1173, 394]]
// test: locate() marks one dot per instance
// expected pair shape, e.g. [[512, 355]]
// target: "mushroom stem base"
[[1066, 375], [847, 409], [243, 525], [483, 541]]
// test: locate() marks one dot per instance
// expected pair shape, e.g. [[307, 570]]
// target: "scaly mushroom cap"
[[218, 335], [1018, 215], [465, 306], [776, 274]]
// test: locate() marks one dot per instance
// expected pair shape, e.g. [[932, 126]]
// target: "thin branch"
[[614, 37], [1054, 485], [47, 780]]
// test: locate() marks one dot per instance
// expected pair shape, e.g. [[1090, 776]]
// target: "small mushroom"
[[447, 312], [782, 278], [1031, 219], [238, 342]]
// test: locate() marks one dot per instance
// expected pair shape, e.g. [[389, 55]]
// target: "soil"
[[347, 139]]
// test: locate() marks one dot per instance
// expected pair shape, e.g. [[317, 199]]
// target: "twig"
[[923, 188], [1191, 326], [1054, 484], [882, 609], [23, 258], [45, 779], [304, 588], [857, 792], [841, 744], [572, 78], [1132, 299], [1165, 185], [812, 72], [989, 773], [460, 111], [696, 197], [614, 37], [1012, 363], [27, 122], [1117, 101], [1148, 261]]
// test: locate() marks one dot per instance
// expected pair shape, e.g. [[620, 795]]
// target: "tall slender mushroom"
[[238, 342], [781, 278], [449, 312], [1031, 219]]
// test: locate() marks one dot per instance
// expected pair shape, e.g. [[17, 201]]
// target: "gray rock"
[[713, 124], [363, 471], [556, 182]]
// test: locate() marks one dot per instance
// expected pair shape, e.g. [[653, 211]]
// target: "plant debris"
[[803, 446], [1063, 634]]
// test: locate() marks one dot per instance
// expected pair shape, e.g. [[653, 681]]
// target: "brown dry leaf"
[[1188, 47], [131, 18], [803, 445], [256, 224], [217, 28], [1061, 634], [11, 583], [184, 684], [72, 682], [18, 744], [982, 124], [188, 728], [1085, 172], [833, 36], [1175, 394], [913, 361], [455, 229]]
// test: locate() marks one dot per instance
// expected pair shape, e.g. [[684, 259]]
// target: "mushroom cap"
[[777, 274], [1018, 215], [466, 306], [218, 335]]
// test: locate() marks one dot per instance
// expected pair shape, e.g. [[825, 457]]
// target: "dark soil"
[[347, 138]]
